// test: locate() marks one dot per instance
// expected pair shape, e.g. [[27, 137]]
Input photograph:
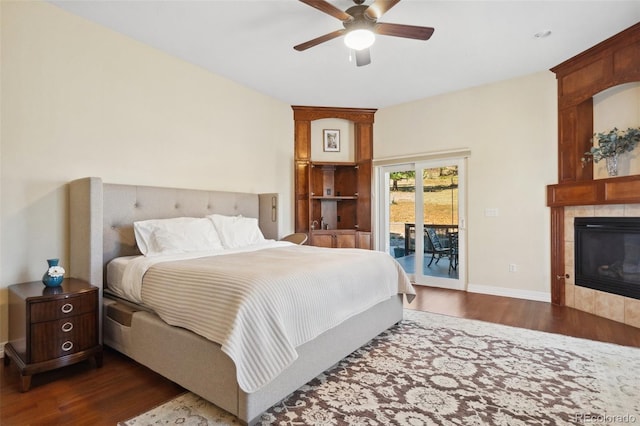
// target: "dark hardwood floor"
[[84, 395], [524, 313]]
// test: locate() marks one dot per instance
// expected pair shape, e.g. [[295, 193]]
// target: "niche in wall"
[[618, 107], [347, 146]]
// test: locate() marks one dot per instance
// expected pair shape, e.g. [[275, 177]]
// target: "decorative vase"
[[49, 280], [612, 165]]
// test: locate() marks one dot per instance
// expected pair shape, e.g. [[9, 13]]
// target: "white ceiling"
[[475, 42]]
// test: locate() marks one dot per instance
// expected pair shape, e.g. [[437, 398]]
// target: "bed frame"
[[101, 228]]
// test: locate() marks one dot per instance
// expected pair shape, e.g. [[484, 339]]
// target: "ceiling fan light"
[[359, 39]]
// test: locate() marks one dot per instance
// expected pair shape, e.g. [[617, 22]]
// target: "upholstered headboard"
[[102, 215]]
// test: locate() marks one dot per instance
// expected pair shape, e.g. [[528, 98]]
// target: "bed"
[[102, 218]]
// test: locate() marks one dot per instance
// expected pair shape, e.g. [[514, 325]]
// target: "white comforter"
[[260, 305]]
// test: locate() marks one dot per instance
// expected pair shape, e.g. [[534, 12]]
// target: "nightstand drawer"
[[71, 306], [53, 339]]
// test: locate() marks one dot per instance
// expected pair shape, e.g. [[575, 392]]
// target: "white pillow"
[[176, 235], [237, 231]]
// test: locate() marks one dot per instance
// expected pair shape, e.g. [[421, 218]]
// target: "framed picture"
[[331, 139]]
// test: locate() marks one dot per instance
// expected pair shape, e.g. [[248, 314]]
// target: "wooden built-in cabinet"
[[610, 63], [341, 238], [333, 199]]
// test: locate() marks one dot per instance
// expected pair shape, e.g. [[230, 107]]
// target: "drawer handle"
[[66, 308], [67, 327], [67, 346]]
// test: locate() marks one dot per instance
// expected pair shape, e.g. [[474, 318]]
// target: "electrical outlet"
[[513, 267]]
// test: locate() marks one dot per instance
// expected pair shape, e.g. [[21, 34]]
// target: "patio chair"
[[453, 243], [436, 249]]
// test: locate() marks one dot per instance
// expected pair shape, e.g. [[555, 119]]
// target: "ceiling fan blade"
[[363, 57], [329, 9], [316, 41], [406, 31], [379, 7]]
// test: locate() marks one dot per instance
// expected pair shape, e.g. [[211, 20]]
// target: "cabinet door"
[[302, 196], [322, 240], [345, 240], [363, 240]]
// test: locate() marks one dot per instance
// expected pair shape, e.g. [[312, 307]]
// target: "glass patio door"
[[421, 220], [400, 202]]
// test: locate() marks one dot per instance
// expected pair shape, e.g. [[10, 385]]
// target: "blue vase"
[[52, 281]]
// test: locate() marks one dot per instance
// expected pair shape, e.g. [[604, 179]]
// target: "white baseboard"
[[2, 349], [539, 296]]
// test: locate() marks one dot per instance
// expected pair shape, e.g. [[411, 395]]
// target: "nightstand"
[[51, 327]]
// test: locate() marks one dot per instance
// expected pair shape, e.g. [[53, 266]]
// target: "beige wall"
[[511, 129], [80, 100]]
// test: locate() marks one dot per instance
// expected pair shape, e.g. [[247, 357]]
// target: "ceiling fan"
[[360, 24]]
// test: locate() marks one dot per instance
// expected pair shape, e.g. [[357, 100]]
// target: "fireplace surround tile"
[[579, 211], [609, 306], [569, 295], [569, 266], [585, 299], [632, 210], [632, 312], [609, 210], [572, 212], [568, 229]]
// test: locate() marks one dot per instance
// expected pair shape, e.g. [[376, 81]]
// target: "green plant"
[[612, 143], [396, 176]]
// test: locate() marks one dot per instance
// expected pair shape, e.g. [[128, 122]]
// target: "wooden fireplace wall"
[[610, 63]]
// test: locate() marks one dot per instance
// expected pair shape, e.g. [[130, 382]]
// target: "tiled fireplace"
[[596, 92], [615, 307]]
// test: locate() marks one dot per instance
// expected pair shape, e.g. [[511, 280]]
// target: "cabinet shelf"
[[334, 164], [335, 197]]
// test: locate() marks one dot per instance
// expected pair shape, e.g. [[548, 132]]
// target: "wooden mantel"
[[617, 190], [610, 63]]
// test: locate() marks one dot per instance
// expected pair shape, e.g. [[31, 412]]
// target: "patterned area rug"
[[432, 370]]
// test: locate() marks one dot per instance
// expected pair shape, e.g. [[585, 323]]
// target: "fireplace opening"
[[607, 254]]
